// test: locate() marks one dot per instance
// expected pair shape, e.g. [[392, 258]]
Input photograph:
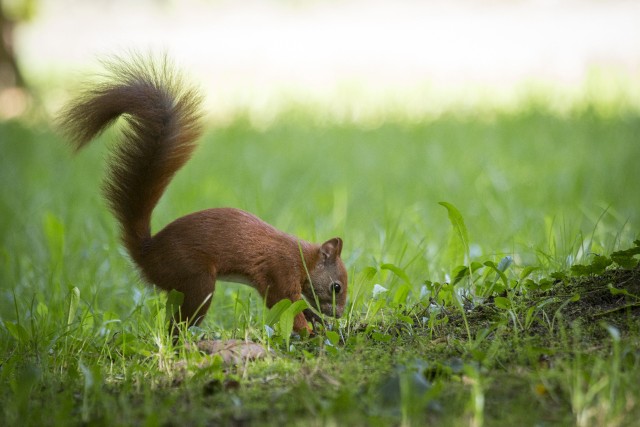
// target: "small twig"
[[613, 310]]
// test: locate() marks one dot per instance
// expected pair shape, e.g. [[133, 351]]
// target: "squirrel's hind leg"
[[198, 292]]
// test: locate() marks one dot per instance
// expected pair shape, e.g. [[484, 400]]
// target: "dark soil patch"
[[612, 297], [607, 295]]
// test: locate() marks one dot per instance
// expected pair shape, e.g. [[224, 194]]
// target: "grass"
[[440, 330]]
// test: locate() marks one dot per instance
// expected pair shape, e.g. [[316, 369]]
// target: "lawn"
[[495, 329]]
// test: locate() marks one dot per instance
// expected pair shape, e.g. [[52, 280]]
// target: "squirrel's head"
[[328, 280]]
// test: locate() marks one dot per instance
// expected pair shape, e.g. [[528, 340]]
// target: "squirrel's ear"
[[331, 249]]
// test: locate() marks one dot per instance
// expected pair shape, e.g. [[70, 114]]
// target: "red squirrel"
[[162, 117]]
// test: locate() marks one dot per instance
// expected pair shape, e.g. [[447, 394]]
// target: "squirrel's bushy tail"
[[162, 118]]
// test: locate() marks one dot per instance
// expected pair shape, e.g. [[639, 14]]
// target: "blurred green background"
[[344, 119]]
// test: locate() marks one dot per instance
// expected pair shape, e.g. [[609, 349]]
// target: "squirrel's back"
[[162, 118]]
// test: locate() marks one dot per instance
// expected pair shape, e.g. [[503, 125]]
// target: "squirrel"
[[162, 116]]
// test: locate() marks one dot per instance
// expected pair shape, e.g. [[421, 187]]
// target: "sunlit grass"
[[81, 337]]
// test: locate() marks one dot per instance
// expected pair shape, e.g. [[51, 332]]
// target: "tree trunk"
[[10, 75]]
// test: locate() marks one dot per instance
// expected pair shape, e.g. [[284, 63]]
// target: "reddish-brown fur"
[[163, 121]]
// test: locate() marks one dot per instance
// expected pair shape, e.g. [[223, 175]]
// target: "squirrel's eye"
[[336, 287]]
